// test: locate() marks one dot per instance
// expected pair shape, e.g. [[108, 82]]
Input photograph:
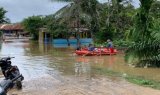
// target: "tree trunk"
[[68, 42], [78, 26]]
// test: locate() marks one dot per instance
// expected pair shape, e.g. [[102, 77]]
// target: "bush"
[[122, 43]]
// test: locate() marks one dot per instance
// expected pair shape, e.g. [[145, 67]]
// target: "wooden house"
[[13, 30]]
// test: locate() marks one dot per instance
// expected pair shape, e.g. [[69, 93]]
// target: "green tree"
[[155, 9], [84, 8], [74, 16], [145, 35], [121, 15], [32, 25], [91, 8], [58, 30], [115, 22], [105, 21], [3, 19]]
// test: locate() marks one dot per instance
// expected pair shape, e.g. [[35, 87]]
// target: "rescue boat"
[[96, 52]]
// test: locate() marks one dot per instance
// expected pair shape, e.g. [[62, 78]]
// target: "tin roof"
[[11, 27]]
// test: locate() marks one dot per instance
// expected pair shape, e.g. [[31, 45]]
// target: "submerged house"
[[13, 31], [84, 38], [76, 33], [44, 36]]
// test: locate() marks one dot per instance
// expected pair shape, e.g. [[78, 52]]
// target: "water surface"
[[58, 71], [36, 60]]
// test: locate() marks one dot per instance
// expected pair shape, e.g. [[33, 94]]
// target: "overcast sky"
[[20, 9]]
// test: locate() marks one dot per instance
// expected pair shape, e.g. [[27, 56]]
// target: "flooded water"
[[58, 71]]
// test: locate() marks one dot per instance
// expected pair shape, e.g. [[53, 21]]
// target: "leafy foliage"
[[58, 30], [81, 10], [155, 9], [33, 24], [115, 22], [112, 20], [3, 19], [91, 7], [146, 49]]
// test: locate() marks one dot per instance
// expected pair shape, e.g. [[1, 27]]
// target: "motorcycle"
[[6, 84], [10, 72]]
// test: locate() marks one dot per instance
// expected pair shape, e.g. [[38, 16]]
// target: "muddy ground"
[[48, 85]]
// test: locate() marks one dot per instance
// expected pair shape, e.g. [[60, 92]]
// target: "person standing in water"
[[110, 45]]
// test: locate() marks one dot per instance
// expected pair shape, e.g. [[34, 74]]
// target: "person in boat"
[[91, 47], [79, 46], [85, 47], [110, 45]]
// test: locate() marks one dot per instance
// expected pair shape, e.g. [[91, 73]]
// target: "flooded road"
[[52, 71]]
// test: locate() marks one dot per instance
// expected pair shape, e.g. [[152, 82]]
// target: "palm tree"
[[91, 7], [145, 35], [88, 7], [71, 14], [80, 9]]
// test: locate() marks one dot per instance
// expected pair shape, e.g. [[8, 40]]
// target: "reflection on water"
[[36, 60], [82, 68]]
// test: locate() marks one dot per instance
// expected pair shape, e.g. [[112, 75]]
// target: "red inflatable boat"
[[96, 51]]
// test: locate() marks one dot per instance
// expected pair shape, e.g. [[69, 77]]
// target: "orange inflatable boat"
[[97, 51]]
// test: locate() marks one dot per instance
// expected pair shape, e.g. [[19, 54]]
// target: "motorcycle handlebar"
[[6, 58]]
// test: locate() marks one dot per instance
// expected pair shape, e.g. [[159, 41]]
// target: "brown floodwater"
[[58, 71]]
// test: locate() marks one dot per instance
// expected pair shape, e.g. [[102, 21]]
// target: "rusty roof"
[[11, 27]]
